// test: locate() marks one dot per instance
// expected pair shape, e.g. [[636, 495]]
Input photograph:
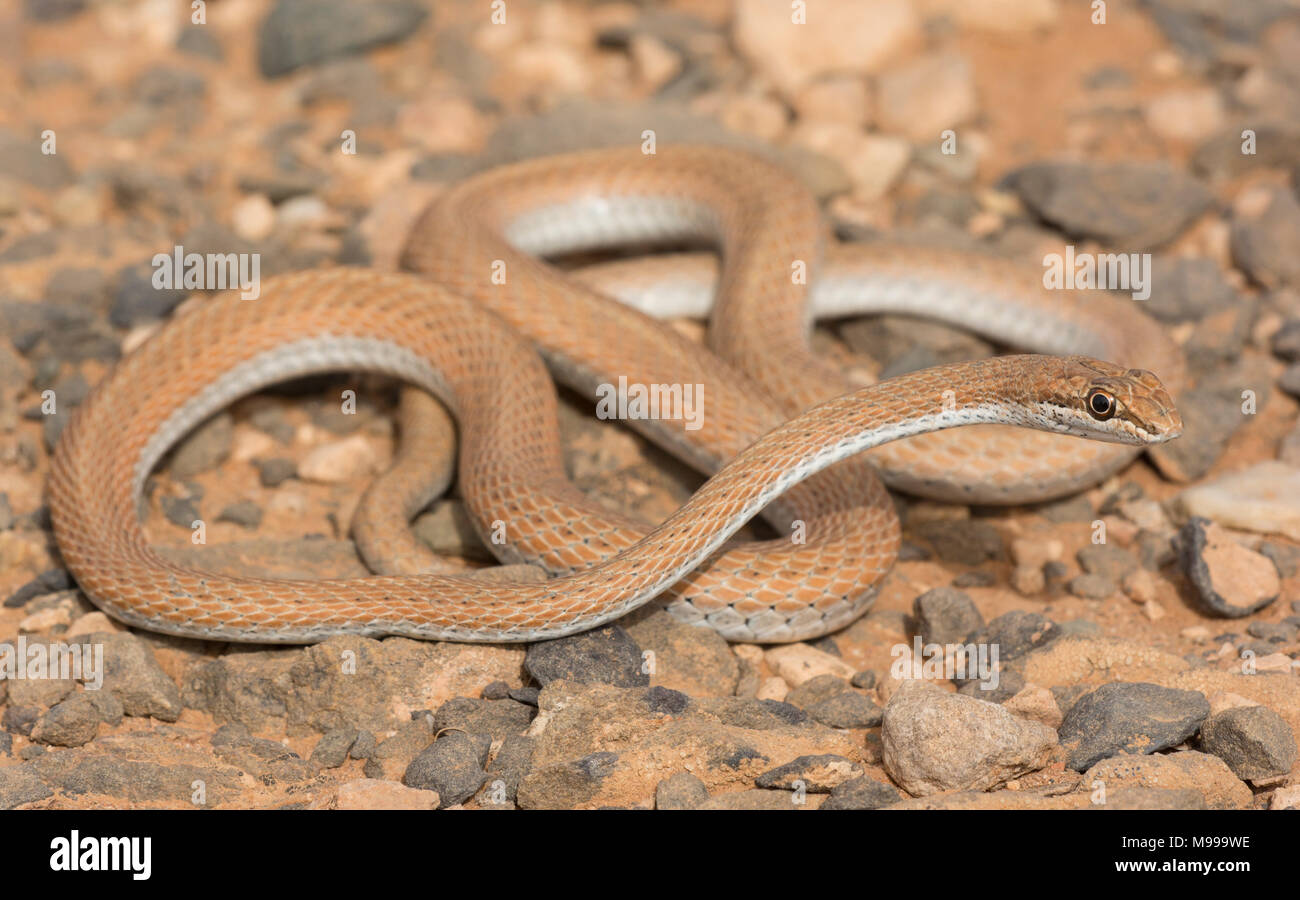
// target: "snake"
[[485, 322]]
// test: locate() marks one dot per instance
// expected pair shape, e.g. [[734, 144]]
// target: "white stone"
[[1264, 498]]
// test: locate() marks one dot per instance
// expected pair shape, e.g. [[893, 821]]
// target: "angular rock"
[[818, 774], [935, 741], [1230, 580], [681, 791], [452, 766], [1254, 741], [1129, 717], [605, 655]]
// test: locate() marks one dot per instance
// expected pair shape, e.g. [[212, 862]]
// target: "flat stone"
[[1129, 717]]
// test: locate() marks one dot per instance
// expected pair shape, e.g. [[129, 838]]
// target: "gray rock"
[[866, 679], [197, 40], [259, 757], [274, 472], [934, 741], [816, 690], [133, 676], [79, 286], [1286, 341], [565, 785], [19, 719], [1107, 560], [19, 785], [1285, 557], [303, 32], [946, 616], [1017, 632], [818, 774], [48, 582], [697, 661], [21, 158], [71, 723], [496, 690], [136, 301], [1130, 205], [605, 655], [331, 751], [1131, 798], [1092, 587], [507, 769], [967, 542], [1264, 247], [390, 759], [244, 512], [364, 746], [1129, 717], [681, 791], [167, 85], [848, 709], [1254, 741], [30, 247], [1009, 683], [498, 718], [452, 766], [1289, 380], [862, 793], [1187, 289], [52, 10], [206, 447]]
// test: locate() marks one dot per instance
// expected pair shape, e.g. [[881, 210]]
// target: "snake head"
[[1106, 402]]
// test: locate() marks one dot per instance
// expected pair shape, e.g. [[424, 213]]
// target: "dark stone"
[[452, 765], [1107, 560], [862, 793], [244, 512], [605, 655], [680, 791], [946, 616], [180, 511], [1132, 205], [1264, 247], [274, 472], [1017, 632], [498, 718], [303, 32], [48, 582], [848, 709], [136, 300], [1254, 741], [819, 774], [665, 701], [496, 690], [331, 751], [507, 769], [967, 542], [1129, 717], [1187, 289]]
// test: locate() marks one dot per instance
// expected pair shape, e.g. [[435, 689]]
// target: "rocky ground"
[[1158, 669]]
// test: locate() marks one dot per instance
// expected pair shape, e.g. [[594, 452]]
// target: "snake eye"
[[1101, 405]]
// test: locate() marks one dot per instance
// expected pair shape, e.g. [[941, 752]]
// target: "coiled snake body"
[[782, 430]]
